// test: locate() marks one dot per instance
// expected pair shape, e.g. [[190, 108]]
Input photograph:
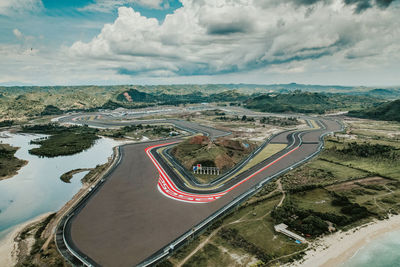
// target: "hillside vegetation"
[[222, 153], [352, 182], [9, 164], [62, 140], [389, 111], [24, 103], [305, 102]]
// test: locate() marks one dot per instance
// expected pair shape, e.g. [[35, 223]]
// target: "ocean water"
[[37, 188], [381, 252]]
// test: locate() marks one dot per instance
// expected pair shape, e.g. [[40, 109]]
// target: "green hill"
[[222, 153], [306, 102], [388, 111], [51, 110]]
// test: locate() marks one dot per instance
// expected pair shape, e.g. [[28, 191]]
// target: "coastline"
[[337, 248], [9, 244]]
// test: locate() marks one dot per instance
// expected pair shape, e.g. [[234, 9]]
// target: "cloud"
[[20, 36], [207, 37], [106, 6], [156, 4], [11, 7], [254, 41], [359, 5], [17, 33]]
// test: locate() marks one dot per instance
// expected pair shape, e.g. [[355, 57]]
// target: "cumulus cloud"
[[11, 7], [207, 37], [107, 5]]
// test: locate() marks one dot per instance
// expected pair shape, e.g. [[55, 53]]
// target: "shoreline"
[[16, 172], [337, 248], [9, 244]]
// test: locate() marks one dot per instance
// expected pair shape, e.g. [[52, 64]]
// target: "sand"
[[335, 249], [8, 245]]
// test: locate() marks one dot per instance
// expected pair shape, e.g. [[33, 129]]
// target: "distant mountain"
[[182, 89], [389, 111], [134, 96], [23, 102]]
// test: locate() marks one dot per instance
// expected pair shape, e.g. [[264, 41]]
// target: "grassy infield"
[[332, 171]]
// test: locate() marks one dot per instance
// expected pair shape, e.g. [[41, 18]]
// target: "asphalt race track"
[[128, 219]]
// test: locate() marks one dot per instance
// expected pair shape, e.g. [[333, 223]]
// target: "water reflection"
[[37, 188]]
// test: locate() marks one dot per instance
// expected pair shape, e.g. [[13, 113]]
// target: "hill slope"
[[222, 153], [306, 102], [389, 111]]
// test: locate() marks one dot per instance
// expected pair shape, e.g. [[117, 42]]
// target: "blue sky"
[[72, 42]]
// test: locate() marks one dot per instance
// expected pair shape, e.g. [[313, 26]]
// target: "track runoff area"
[[168, 188]]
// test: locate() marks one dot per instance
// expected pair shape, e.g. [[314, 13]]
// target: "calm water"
[[37, 188], [382, 252]]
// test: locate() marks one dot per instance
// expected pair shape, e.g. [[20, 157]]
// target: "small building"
[[282, 228]]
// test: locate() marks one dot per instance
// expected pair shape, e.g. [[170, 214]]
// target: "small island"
[[62, 140], [9, 164]]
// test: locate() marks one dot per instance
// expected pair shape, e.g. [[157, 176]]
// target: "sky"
[[106, 42]]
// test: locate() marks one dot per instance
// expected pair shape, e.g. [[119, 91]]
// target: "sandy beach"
[[335, 249], [8, 245]]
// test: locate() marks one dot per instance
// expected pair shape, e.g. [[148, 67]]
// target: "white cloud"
[[108, 6], [213, 41], [215, 37], [10, 7], [17, 33], [156, 4]]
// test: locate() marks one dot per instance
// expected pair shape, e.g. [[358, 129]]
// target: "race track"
[[131, 215]]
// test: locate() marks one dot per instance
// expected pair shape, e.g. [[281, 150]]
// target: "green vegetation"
[[134, 96], [222, 153], [138, 131], [92, 174], [376, 158], [9, 164], [36, 256], [6, 123], [66, 177], [389, 111], [62, 140], [51, 110], [352, 182], [282, 122], [304, 102], [27, 102]]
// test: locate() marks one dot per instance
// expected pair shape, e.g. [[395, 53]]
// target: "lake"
[[37, 188]]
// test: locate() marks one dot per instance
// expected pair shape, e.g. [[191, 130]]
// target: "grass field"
[[268, 151], [319, 200]]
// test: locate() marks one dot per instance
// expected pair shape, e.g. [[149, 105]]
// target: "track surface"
[[127, 220]]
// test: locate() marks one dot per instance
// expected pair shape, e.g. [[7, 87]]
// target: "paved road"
[[127, 220], [181, 124]]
